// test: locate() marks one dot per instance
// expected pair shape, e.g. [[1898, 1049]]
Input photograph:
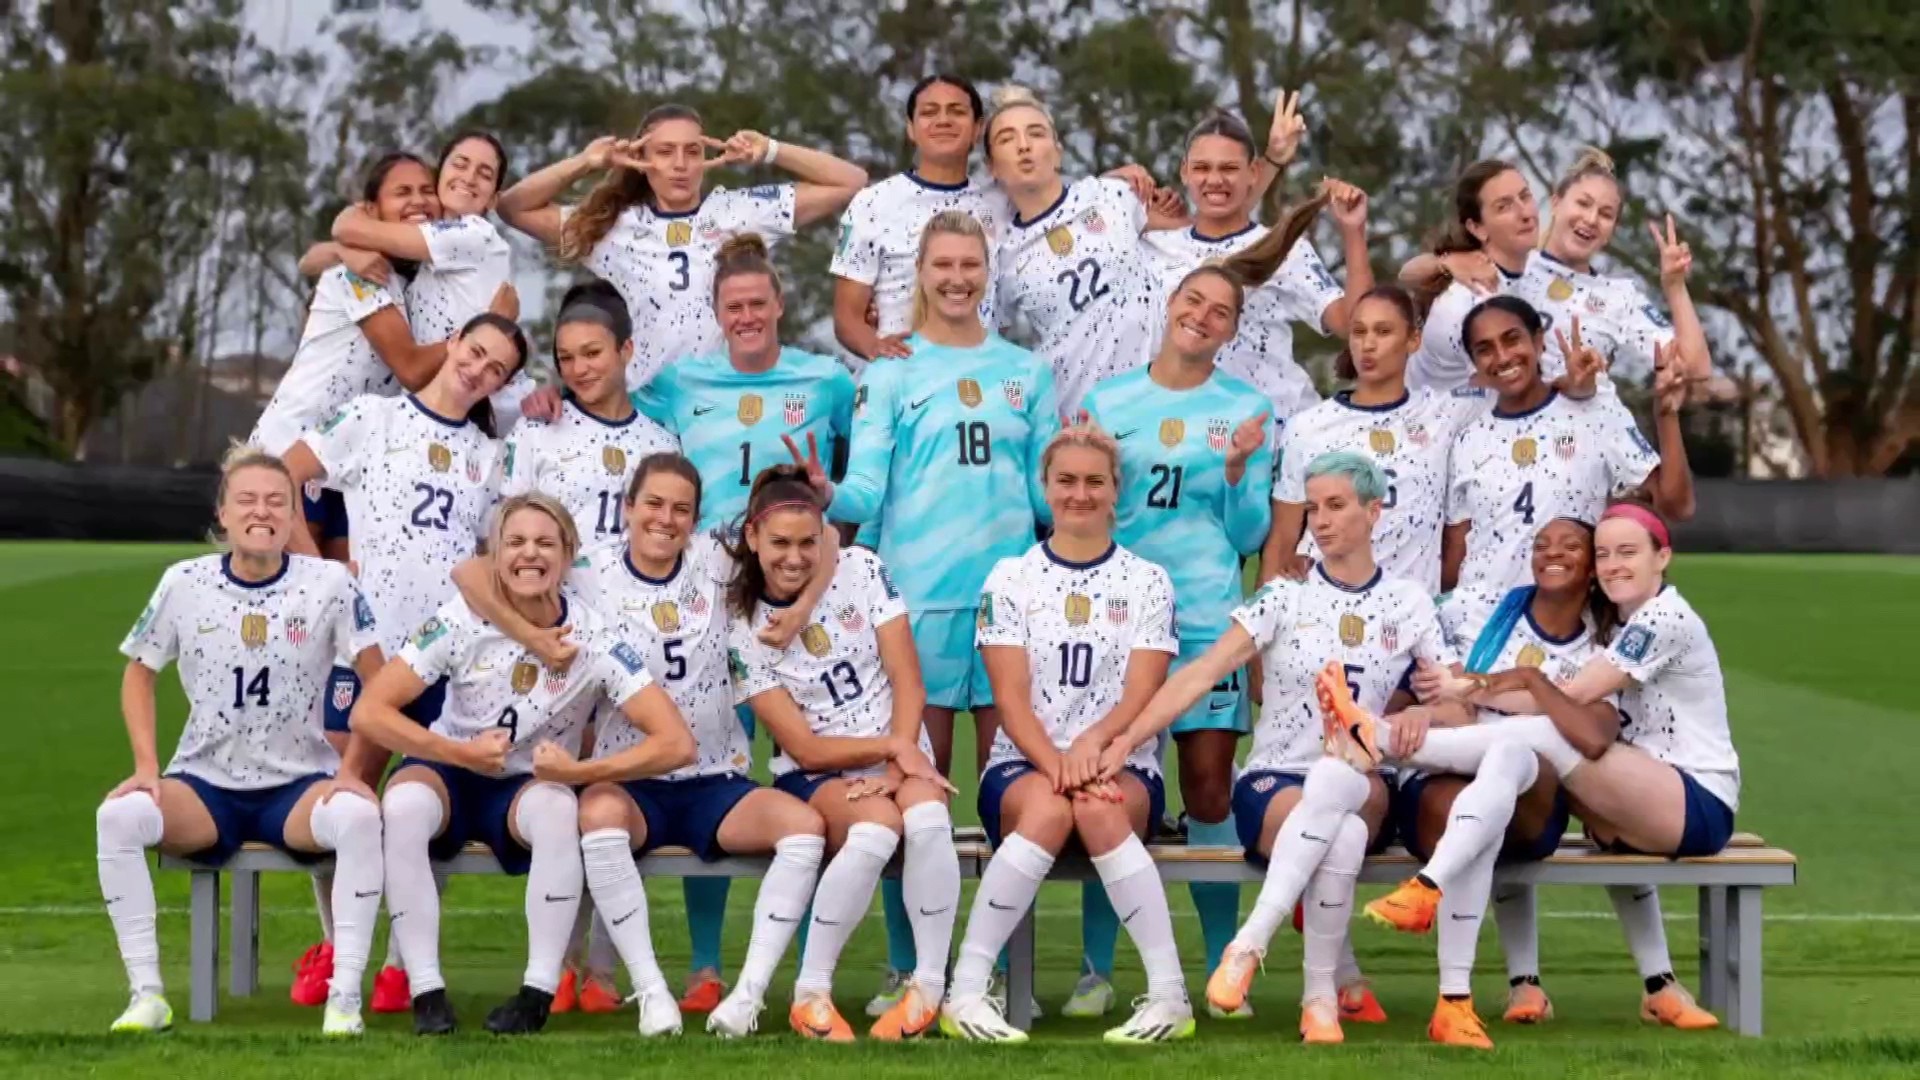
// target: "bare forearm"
[[384, 726], [654, 756], [136, 707]]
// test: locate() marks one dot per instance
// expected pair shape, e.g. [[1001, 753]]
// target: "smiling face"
[[953, 275], [1509, 217], [1563, 558], [1202, 316], [1022, 152], [469, 178], [256, 512], [1081, 490], [407, 195], [1504, 352], [787, 543], [478, 364], [943, 126], [676, 156], [749, 309], [1584, 219], [1631, 565], [1219, 177], [1341, 522], [660, 518], [591, 363], [532, 554], [1380, 339]]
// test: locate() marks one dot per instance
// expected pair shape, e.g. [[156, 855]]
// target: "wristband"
[[773, 151], [1268, 158]]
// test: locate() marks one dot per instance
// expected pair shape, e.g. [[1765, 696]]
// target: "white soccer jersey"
[[679, 623], [494, 682], [1616, 318], [1676, 706], [880, 237], [418, 488], [832, 670], [333, 364], [1079, 274], [1080, 624], [583, 461], [254, 661], [1512, 474], [1411, 440], [1443, 362], [469, 262], [1261, 354], [1464, 615], [662, 263], [1376, 631]]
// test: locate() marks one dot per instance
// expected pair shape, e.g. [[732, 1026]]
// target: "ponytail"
[[619, 189], [777, 486]]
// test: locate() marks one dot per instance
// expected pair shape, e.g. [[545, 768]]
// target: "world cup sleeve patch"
[[628, 658], [1634, 643]]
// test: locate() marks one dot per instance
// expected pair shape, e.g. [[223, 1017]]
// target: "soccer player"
[[1077, 634], [878, 258], [1483, 249], [500, 762], [1348, 614], [1194, 499], [1537, 456], [255, 631], [650, 229], [844, 708]]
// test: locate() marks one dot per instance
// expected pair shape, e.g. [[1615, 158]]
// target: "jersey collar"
[[1522, 415], [1203, 238], [1321, 569], [1088, 565], [1561, 265], [1541, 633], [673, 215], [1065, 189], [582, 410], [434, 416], [679, 560], [226, 569], [1345, 397], [931, 186]]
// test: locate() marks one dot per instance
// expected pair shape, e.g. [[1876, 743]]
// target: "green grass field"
[[1815, 650]]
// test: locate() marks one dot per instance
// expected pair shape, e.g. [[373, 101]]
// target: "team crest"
[[750, 410], [613, 459], [695, 600], [1390, 637], [253, 631], [815, 638], [983, 617], [666, 616], [679, 233], [1078, 609], [710, 233], [1531, 655], [342, 693], [1060, 240], [1117, 610], [736, 667], [1596, 304], [1525, 450], [850, 618], [1217, 435], [1094, 222], [312, 489], [1016, 394], [969, 392], [1353, 630], [1265, 784], [297, 629], [525, 674], [1380, 441], [439, 458], [1563, 446], [1417, 434], [473, 469], [556, 681], [1172, 430], [794, 409], [1560, 291]]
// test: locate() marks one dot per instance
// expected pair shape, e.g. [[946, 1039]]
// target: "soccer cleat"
[[342, 1018], [1228, 985], [1527, 1003], [599, 995], [814, 1017], [567, 997], [311, 975], [1408, 909], [704, 991], [736, 1017], [997, 992], [890, 993], [977, 1019], [913, 1017], [147, 1013], [659, 1013], [1092, 996], [1675, 1008], [433, 1014], [391, 994], [1347, 728], [1320, 1023], [1154, 1022], [1359, 1006], [1244, 1012], [1455, 1023], [522, 1014]]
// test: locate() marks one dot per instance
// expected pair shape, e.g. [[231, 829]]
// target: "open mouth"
[[1507, 370], [1190, 332], [530, 572], [260, 529]]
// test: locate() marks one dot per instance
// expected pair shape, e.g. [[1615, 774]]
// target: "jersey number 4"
[[1523, 503]]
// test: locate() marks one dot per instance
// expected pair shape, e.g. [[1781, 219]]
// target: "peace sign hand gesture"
[[1249, 436], [810, 461], [1676, 258], [1669, 382], [1288, 130], [1584, 362], [741, 148]]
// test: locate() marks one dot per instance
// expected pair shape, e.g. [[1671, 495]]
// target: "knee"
[[1100, 825], [873, 838], [132, 820], [548, 813], [412, 812], [1514, 761], [604, 806], [1209, 802], [799, 819], [1047, 822]]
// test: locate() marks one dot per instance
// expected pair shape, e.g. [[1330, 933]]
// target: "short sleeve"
[[1290, 467], [1463, 614], [1630, 457], [623, 672], [1263, 615], [358, 629], [857, 256], [342, 443], [1155, 629], [883, 598], [655, 401], [1121, 199], [152, 642], [1001, 618], [1306, 287], [362, 297], [458, 243], [1429, 642], [1642, 326], [766, 209], [749, 663], [1651, 640], [430, 651], [583, 577]]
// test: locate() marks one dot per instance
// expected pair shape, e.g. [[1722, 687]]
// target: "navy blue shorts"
[[328, 513], [688, 812], [1406, 814], [1251, 794], [802, 784], [995, 782], [477, 809], [240, 816], [1709, 824], [343, 689]]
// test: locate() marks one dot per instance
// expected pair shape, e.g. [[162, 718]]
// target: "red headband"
[[788, 504], [1642, 516]]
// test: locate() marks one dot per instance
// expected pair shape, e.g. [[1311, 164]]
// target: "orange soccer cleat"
[[1349, 729], [814, 1017], [1527, 1003], [704, 992], [599, 995], [1320, 1023], [1359, 1006], [1409, 909], [312, 974], [1673, 1007], [1455, 1023], [566, 997], [391, 993], [909, 1018], [1228, 985]]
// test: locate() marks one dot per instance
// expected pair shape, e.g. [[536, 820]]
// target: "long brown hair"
[[619, 189], [1454, 236], [1412, 308], [776, 485], [1254, 264]]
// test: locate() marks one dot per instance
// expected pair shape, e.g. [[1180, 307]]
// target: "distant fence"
[[112, 502]]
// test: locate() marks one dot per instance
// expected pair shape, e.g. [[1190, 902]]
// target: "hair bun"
[[1591, 159], [746, 244], [1007, 95]]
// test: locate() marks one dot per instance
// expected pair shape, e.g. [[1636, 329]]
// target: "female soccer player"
[[255, 631], [650, 230], [1346, 613], [1537, 456], [500, 764], [1077, 634], [1198, 472], [1481, 250]]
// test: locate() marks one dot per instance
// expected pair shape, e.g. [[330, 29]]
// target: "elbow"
[[683, 750], [1679, 505], [1591, 743]]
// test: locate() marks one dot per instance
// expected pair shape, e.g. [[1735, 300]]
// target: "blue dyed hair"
[[1369, 482]]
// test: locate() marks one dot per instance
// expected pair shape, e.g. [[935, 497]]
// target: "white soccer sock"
[[782, 903], [1478, 822], [548, 817], [1517, 915], [1139, 898], [1007, 888], [1346, 970], [1462, 905], [930, 885], [602, 957], [841, 901], [618, 890], [413, 815], [1333, 791], [1638, 907], [323, 901], [1328, 909], [349, 826], [394, 959], [124, 829], [1460, 749]]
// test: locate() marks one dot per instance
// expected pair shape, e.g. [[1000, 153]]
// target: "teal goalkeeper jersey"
[[1175, 506], [730, 422], [946, 458]]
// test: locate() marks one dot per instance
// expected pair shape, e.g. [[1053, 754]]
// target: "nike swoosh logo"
[[627, 916], [998, 906], [1315, 839], [115, 900], [569, 457], [818, 921], [552, 899], [936, 911], [921, 402], [358, 895], [1637, 897], [1335, 904], [209, 629], [483, 667], [1130, 915], [1465, 817], [1228, 707], [782, 918], [702, 410], [1129, 433], [392, 450], [1464, 918]]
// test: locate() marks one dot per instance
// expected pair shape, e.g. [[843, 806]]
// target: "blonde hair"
[[1591, 161], [545, 504], [1090, 436], [241, 456], [744, 253], [1005, 99], [944, 223]]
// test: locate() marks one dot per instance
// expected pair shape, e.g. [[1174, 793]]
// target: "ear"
[[1662, 559], [1476, 230], [1373, 512], [626, 353]]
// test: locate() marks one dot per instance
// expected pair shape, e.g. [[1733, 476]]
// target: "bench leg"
[[1745, 976], [1713, 947], [1020, 973], [204, 925], [243, 977]]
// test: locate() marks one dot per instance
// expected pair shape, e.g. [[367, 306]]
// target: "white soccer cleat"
[[1154, 1021], [737, 1017], [1244, 1012], [659, 1013], [147, 1013], [977, 1019], [997, 993], [342, 1018], [1092, 996]]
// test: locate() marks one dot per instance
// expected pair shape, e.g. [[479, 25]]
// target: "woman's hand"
[[1287, 131], [913, 764], [486, 753], [1409, 731], [148, 782], [542, 405]]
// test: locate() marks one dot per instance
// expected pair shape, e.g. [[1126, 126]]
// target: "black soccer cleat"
[[522, 1014], [433, 1014]]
